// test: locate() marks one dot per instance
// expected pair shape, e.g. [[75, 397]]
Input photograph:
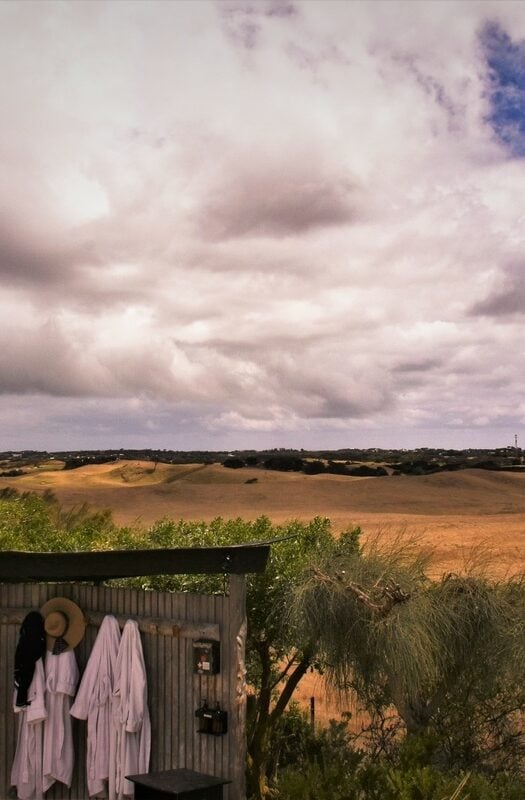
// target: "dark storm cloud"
[[45, 360], [507, 299], [335, 405], [26, 257], [52, 271], [424, 365], [501, 304], [277, 200]]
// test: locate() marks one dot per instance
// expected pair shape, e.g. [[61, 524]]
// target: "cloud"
[[240, 23], [243, 20], [507, 296], [42, 359], [424, 365], [259, 222], [261, 196], [312, 57], [32, 258]]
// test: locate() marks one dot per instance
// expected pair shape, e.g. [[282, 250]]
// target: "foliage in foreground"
[[329, 764], [444, 658], [447, 655]]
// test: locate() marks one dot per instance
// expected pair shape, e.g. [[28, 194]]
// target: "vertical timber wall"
[[174, 690]]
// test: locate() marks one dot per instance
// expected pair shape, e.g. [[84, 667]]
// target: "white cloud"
[[259, 219]]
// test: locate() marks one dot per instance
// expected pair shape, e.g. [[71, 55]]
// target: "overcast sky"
[[262, 223]]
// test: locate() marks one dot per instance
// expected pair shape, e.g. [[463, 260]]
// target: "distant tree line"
[[373, 462], [424, 465], [82, 461], [283, 463]]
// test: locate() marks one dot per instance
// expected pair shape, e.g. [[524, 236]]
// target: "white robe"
[[26, 772], [61, 683], [93, 702], [131, 737]]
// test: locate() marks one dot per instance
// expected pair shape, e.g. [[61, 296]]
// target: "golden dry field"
[[453, 512]]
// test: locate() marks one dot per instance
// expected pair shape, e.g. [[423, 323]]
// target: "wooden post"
[[237, 700]]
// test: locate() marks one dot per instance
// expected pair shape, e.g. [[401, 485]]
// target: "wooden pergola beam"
[[163, 626], [18, 566]]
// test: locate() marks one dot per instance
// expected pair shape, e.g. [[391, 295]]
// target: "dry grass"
[[455, 513]]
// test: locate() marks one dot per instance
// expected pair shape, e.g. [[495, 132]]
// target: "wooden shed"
[[170, 623]]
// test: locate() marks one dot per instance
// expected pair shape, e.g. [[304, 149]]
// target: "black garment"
[[60, 646], [31, 646]]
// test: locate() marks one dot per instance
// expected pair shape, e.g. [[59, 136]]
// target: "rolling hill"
[[451, 511]]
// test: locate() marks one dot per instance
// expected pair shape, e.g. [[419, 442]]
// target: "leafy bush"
[[38, 523], [233, 463], [326, 766]]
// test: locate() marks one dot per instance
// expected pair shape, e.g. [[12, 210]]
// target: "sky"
[[261, 223]]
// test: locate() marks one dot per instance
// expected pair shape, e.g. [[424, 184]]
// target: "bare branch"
[[391, 592]]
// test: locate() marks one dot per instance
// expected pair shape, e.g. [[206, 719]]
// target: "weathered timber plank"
[[237, 645], [16, 566], [159, 625]]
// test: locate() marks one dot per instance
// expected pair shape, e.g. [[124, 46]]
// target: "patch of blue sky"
[[506, 87]]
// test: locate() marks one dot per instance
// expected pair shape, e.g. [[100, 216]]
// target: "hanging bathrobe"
[[61, 683], [131, 735], [93, 702], [26, 772]]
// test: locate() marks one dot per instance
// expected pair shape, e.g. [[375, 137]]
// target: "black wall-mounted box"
[[206, 657], [212, 720]]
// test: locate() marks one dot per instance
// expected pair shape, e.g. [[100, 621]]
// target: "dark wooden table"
[[179, 784]]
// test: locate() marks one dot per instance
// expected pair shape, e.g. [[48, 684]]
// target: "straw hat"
[[64, 623]]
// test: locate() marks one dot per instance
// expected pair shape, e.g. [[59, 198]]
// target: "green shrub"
[[379, 781], [326, 764]]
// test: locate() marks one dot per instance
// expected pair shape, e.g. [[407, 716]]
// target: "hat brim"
[[76, 621]]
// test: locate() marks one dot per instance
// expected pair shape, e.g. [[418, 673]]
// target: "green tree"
[[448, 654], [278, 653]]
